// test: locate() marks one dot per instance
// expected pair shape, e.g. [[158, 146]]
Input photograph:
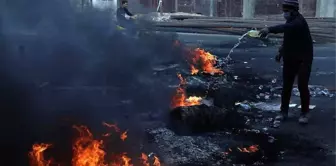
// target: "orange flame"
[[156, 161], [123, 136], [251, 149], [182, 80], [206, 62], [86, 150], [113, 126], [144, 159], [194, 71], [36, 155], [126, 160], [180, 99], [121, 160]]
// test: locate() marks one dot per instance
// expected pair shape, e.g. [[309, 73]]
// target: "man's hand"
[[280, 48], [280, 53], [278, 58], [264, 32]]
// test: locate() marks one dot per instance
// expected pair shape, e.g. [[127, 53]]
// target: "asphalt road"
[[254, 57], [254, 52], [251, 57]]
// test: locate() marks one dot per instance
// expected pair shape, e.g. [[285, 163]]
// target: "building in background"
[[81, 4], [105, 4], [326, 8], [167, 6], [236, 8]]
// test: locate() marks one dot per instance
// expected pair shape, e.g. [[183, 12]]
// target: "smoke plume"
[[61, 64]]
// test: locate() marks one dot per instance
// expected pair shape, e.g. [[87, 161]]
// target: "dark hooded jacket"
[[121, 15], [297, 40]]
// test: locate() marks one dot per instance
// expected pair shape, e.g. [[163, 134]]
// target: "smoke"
[[60, 63], [135, 6]]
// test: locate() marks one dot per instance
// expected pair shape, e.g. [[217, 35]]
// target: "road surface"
[[256, 58]]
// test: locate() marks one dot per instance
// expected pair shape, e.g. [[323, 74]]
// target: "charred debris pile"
[[218, 118]]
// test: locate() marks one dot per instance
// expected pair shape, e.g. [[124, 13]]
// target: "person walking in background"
[[125, 18], [297, 54]]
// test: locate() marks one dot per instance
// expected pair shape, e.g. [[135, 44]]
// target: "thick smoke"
[[135, 6], [61, 66]]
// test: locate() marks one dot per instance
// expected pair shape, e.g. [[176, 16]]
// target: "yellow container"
[[120, 28], [253, 33]]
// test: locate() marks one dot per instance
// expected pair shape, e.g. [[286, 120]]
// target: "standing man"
[[297, 54], [124, 17]]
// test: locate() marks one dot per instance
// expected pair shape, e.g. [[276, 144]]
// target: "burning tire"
[[200, 118]]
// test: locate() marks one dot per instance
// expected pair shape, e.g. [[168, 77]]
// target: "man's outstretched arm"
[[288, 26], [128, 12], [284, 27]]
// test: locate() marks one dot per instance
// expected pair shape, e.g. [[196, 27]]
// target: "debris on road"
[[271, 107], [244, 105], [315, 91], [276, 124], [217, 109]]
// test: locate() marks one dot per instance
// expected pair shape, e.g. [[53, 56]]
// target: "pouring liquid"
[[251, 33]]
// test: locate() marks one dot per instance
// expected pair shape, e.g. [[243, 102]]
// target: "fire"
[[204, 61], [144, 159], [156, 161], [194, 71], [36, 155], [113, 126], [182, 80], [253, 148], [123, 136], [126, 160], [88, 151], [250, 149], [193, 99], [180, 99]]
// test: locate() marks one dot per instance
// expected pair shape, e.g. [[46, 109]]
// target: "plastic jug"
[[253, 33]]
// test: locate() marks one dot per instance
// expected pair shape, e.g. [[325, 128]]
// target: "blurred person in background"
[[125, 18]]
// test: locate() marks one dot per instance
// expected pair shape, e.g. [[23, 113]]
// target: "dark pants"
[[291, 69]]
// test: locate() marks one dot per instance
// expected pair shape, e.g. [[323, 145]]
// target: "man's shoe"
[[281, 116], [304, 118]]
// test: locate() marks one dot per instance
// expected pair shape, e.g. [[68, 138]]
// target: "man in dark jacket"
[[124, 17], [297, 54]]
